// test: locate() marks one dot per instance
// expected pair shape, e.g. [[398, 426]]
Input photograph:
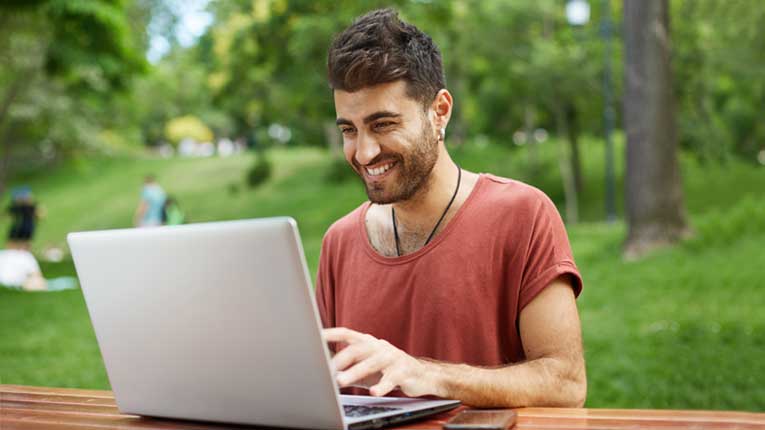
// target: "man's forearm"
[[540, 382]]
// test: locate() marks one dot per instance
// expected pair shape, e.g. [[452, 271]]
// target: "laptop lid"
[[212, 321]]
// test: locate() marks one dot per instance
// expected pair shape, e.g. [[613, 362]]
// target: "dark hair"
[[379, 48]]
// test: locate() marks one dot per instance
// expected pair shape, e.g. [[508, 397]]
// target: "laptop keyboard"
[[354, 411]]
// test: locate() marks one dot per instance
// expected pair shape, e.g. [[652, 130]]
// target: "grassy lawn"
[[682, 328]]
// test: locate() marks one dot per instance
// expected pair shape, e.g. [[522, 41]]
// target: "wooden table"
[[63, 409]]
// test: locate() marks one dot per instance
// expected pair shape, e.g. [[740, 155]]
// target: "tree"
[[718, 56], [59, 60], [654, 194]]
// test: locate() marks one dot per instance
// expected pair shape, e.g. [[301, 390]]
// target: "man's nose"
[[367, 148]]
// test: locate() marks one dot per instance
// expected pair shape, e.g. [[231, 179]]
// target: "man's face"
[[388, 139]]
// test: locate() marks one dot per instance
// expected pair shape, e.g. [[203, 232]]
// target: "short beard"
[[414, 171]]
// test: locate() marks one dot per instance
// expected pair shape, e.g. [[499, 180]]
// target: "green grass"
[[682, 328]]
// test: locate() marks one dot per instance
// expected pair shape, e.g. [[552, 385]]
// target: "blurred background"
[[642, 120]]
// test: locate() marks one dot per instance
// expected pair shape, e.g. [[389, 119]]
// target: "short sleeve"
[[549, 253], [325, 286]]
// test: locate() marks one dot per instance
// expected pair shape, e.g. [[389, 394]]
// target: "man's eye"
[[346, 130], [382, 125]]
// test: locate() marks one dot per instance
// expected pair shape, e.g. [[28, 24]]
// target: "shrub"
[[719, 227], [260, 171]]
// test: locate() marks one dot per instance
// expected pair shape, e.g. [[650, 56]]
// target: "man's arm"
[[553, 375]]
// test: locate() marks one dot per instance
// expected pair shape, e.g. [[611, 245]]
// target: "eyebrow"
[[371, 117]]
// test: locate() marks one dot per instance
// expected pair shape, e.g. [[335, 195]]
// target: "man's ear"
[[442, 108]]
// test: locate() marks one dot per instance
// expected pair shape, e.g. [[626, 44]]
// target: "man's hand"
[[379, 366]]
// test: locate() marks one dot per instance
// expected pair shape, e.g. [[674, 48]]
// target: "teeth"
[[379, 170]]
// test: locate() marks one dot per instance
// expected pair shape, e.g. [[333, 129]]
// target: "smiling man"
[[446, 282]]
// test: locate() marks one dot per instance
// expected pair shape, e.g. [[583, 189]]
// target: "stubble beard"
[[414, 170]]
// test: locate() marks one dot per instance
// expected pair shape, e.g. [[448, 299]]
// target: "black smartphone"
[[483, 419]]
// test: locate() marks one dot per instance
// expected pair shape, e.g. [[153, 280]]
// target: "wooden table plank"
[[22, 419], [76, 392], [35, 408], [640, 413], [626, 423], [57, 398]]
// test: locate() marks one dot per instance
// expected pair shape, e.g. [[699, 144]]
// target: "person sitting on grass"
[[445, 283], [19, 269]]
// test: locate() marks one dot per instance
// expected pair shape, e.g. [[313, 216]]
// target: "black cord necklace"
[[393, 216]]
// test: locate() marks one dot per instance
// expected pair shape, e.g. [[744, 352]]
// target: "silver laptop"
[[217, 322]]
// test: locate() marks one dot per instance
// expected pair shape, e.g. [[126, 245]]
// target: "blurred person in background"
[[150, 208], [19, 269], [24, 212]]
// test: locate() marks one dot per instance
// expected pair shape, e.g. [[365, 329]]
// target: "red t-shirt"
[[457, 299]]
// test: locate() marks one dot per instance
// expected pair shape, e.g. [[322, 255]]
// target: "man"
[[446, 283], [150, 208]]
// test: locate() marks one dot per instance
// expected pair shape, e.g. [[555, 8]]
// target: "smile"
[[377, 171]]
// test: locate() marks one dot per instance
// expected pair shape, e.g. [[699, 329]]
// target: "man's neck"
[[431, 200]]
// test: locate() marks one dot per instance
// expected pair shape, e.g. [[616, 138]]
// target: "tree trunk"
[[333, 138], [8, 98], [5, 157], [531, 147], [458, 129], [572, 122], [5, 131], [565, 164], [654, 194]]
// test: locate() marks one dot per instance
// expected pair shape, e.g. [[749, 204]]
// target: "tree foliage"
[[61, 63], [268, 61], [719, 54], [73, 72]]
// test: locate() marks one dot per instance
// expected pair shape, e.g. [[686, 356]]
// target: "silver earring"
[[443, 133]]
